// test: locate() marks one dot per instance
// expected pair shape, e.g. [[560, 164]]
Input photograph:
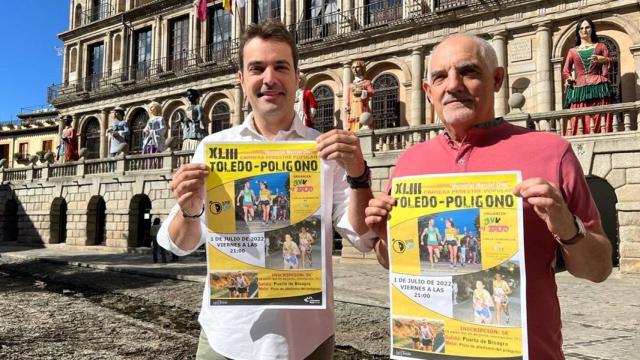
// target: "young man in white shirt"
[[269, 78]]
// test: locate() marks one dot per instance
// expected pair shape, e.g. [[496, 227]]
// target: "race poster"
[[457, 274], [265, 235]]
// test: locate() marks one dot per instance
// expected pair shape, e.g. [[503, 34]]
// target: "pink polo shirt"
[[505, 147]]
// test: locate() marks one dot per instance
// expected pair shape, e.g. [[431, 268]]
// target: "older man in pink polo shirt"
[[558, 208]]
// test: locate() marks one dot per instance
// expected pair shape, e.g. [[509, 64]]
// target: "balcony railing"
[[375, 14], [96, 13], [220, 55], [445, 5], [381, 141], [626, 117]]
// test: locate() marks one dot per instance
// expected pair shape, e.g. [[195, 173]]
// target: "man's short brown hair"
[[271, 29]]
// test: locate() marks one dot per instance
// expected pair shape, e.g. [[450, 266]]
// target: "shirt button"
[[461, 162]]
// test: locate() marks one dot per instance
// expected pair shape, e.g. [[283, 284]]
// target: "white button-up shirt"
[[252, 332]]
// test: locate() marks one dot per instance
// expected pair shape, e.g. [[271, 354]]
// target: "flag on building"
[[201, 13]]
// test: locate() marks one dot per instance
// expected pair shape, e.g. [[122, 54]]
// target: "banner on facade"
[[457, 274], [265, 235]]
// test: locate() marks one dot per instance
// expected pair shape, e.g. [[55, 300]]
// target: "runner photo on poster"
[[489, 297], [419, 334], [261, 202], [234, 284], [449, 242], [294, 247]]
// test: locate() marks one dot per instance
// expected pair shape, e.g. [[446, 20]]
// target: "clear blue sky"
[[29, 62]]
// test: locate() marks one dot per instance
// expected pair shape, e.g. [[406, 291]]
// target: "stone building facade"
[[128, 53], [34, 135]]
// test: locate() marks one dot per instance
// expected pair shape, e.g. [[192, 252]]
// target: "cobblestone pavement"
[[130, 312], [40, 322]]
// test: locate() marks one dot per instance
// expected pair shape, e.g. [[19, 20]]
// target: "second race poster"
[[457, 267]]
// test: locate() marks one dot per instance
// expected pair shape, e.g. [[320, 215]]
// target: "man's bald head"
[[484, 48], [462, 79]]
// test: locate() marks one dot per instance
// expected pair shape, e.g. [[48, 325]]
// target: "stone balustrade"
[[129, 186]]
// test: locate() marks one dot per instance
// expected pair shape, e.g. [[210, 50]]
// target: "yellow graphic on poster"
[[457, 275], [265, 235]]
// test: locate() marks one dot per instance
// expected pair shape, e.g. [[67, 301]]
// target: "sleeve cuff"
[[363, 243], [165, 241]]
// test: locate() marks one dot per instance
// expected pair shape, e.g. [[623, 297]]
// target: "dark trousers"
[[158, 250]]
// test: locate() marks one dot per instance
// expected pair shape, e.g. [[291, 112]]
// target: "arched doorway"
[[176, 127], [9, 221], [91, 139], [323, 121], [139, 221], [96, 221], [221, 117], [605, 197], [614, 67], [58, 220], [385, 105], [138, 123]]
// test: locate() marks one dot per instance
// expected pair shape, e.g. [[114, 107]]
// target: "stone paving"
[[600, 320]]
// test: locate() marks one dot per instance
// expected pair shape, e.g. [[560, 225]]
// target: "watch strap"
[[580, 233], [361, 182]]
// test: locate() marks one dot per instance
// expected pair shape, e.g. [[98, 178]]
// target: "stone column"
[[193, 30], [344, 18], [428, 118], [417, 94], [76, 122], [501, 105], [347, 79], [108, 57], [289, 12], [237, 21], [124, 62], [635, 50], [76, 126], [544, 86], [157, 39], [71, 15], [65, 64], [79, 65], [238, 112], [557, 74], [104, 141]]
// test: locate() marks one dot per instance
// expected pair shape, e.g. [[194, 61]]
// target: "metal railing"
[[445, 5], [96, 13], [213, 57], [375, 14]]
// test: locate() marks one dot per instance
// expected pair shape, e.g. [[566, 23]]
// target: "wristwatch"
[[361, 182], [580, 234]]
